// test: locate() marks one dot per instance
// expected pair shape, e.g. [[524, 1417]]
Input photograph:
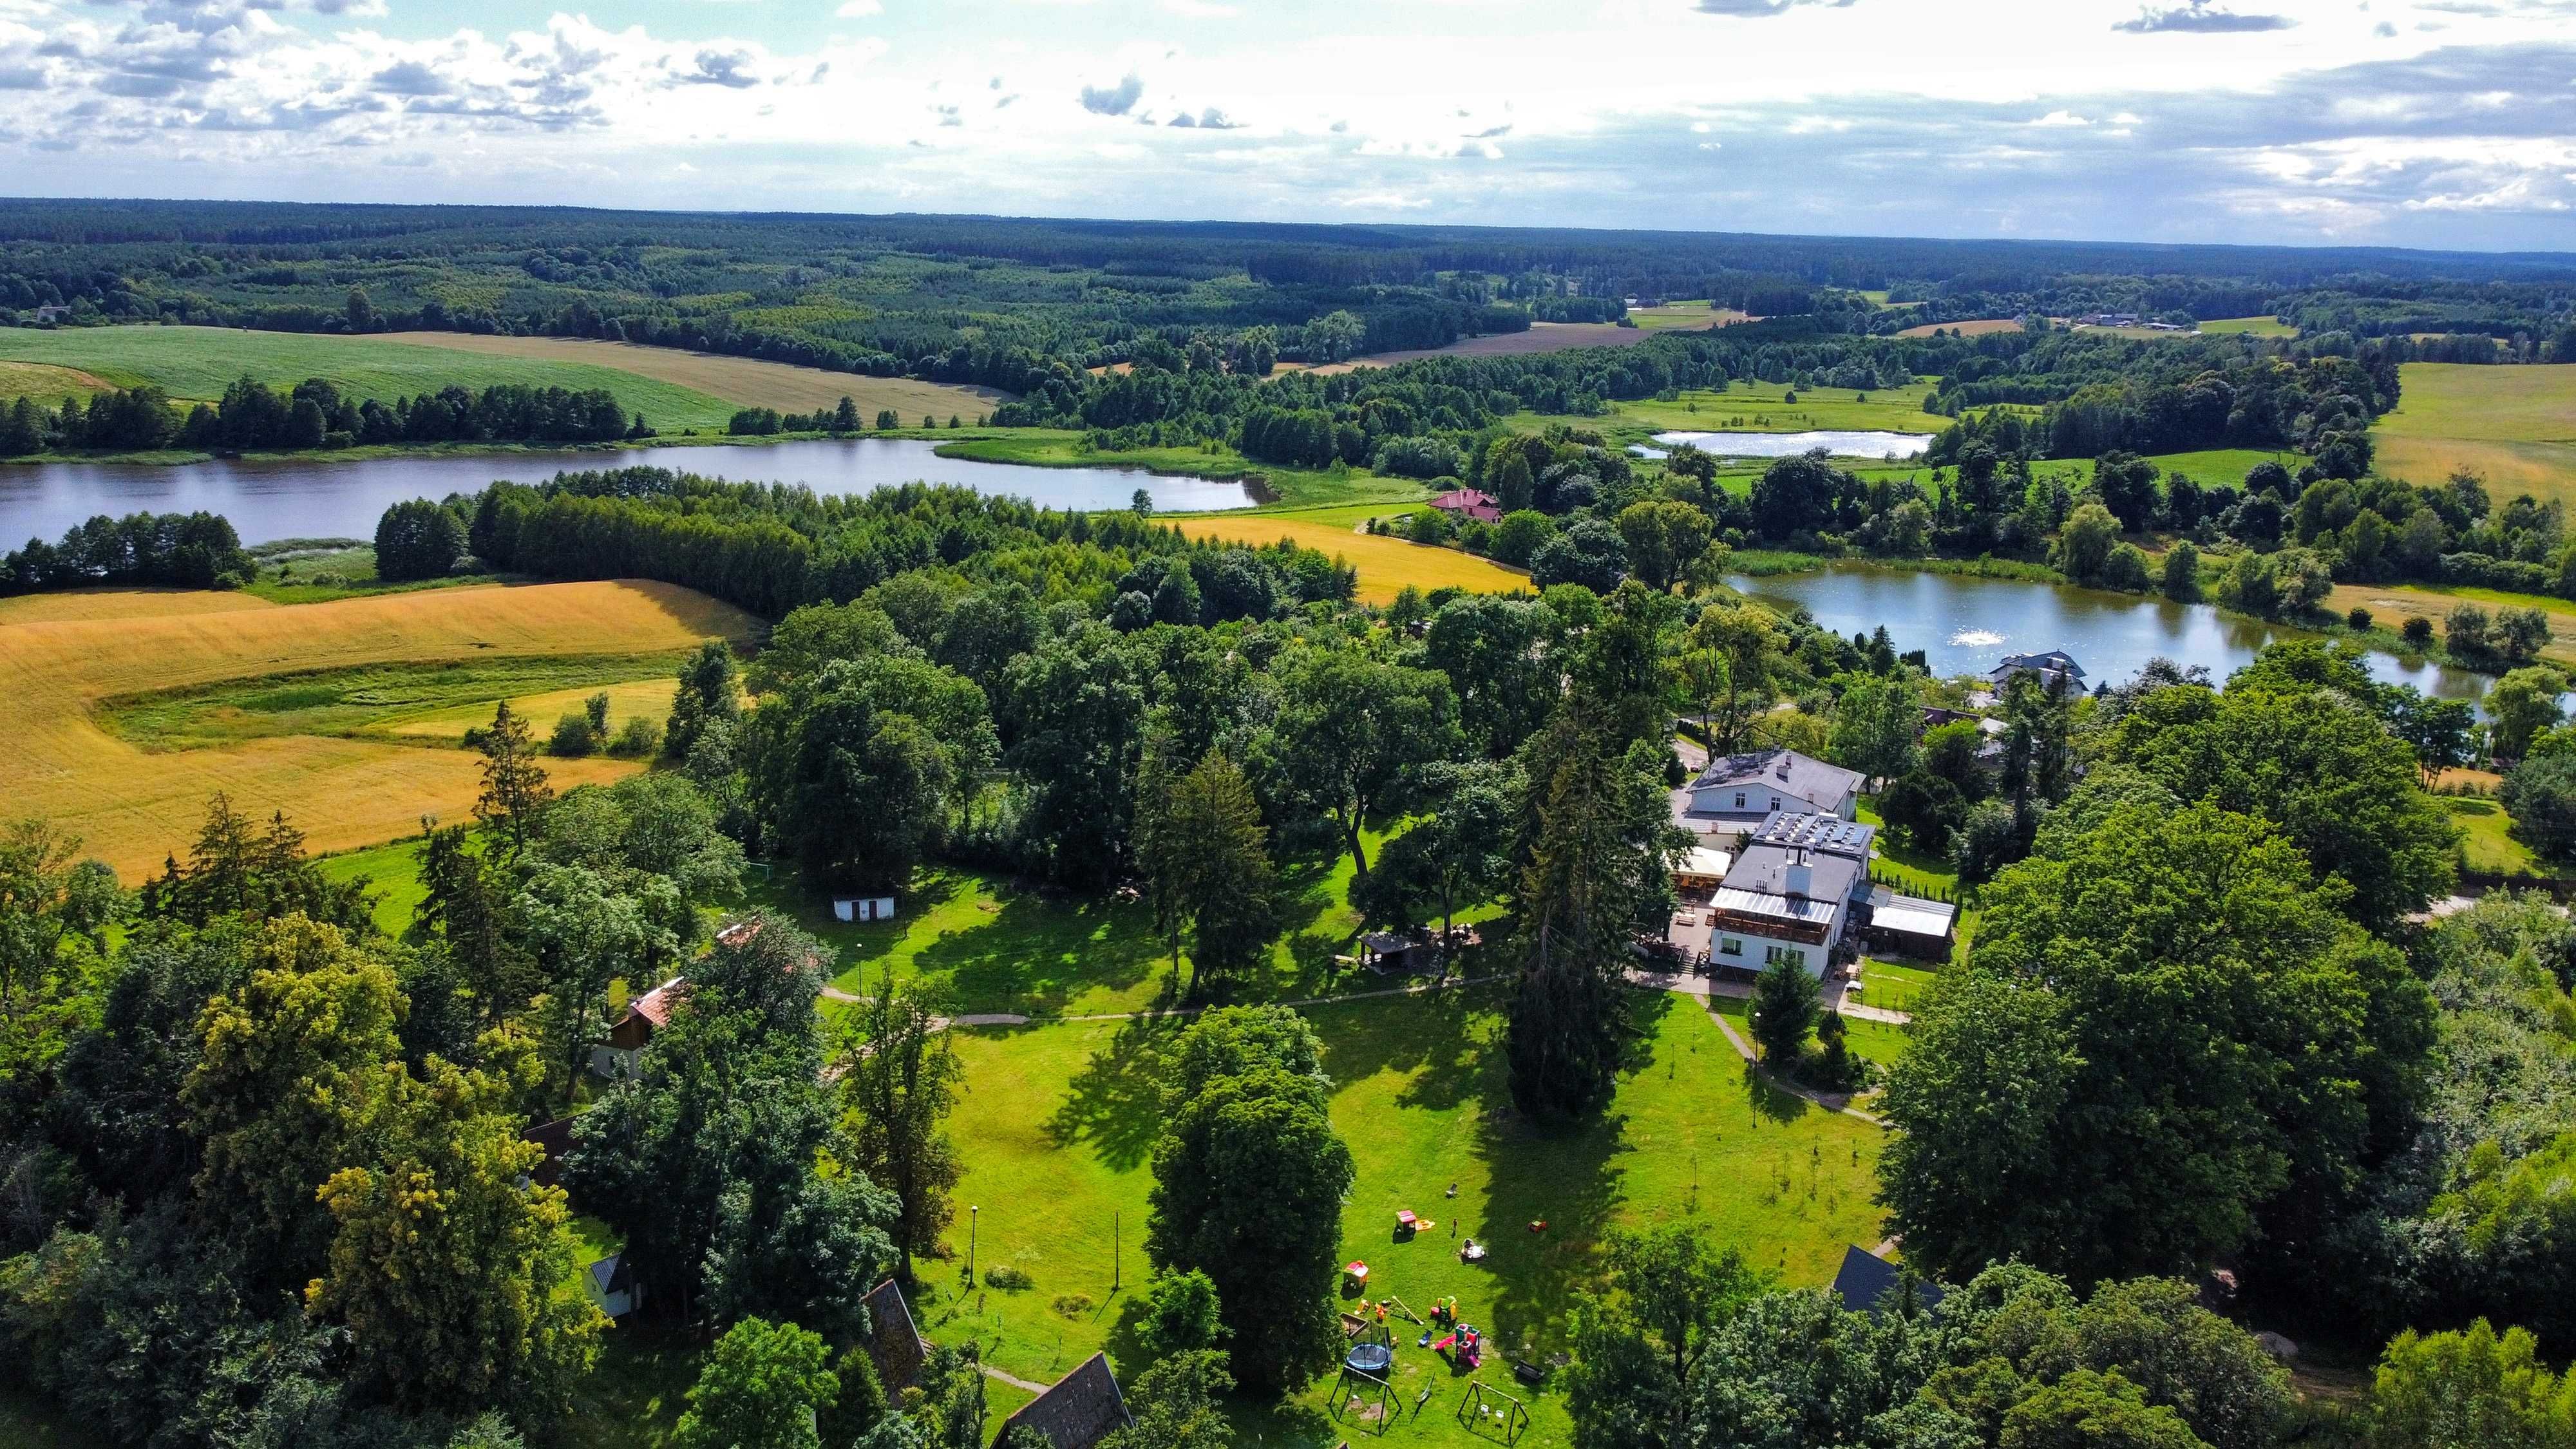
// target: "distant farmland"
[[1978, 328], [1541, 337], [674, 390], [745, 381], [134, 800], [2514, 426], [1385, 563]]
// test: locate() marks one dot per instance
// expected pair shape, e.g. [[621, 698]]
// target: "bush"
[[2417, 631], [1008, 1278], [2358, 619], [1517, 538], [637, 739], [573, 737]]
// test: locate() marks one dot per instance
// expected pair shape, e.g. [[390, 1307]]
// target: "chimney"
[[1799, 876]]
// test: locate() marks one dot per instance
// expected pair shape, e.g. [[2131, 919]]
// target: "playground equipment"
[[1490, 1411], [1367, 1366]]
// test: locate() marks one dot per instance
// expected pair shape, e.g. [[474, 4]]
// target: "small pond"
[[317, 497], [1966, 625], [1789, 445]]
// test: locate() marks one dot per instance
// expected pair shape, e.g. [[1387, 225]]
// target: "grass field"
[[2515, 426], [2249, 326], [412, 700], [2487, 842], [131, 806], [744, 381], [2390, 604], [196, 364], [1757, 407], [1686, 316], [1058, 1122], [46, 382], [1385, 564], [1541, 337]]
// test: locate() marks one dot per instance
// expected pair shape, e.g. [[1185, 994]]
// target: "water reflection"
[[1788, 445], [1966, 625], [318, 497]]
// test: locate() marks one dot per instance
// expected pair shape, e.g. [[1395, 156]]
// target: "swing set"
[[1487, 1410]]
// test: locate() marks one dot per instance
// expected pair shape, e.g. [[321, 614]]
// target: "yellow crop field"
[[2515, 426], [1385, 564], [131, 807], [124, 604], [1977, 328], [747, 381], [648, 698]]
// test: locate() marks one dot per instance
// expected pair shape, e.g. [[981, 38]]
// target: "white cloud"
[[859, 9]]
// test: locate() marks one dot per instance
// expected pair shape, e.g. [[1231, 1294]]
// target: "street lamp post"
[[974, 1220]]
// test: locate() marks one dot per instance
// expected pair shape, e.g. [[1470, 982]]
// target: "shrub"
[[573, 735], [1008, 1278], [2359, 618], [637, 739], [2417, 631], [1071, 1305]]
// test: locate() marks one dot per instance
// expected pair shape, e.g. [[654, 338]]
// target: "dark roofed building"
[[1789, 893], [895, 1346], [1867, 1283], [1742, 790], [2056, 669], [1081, 1409]]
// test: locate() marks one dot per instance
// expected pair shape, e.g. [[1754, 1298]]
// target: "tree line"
[[172, 550], [251, 416]]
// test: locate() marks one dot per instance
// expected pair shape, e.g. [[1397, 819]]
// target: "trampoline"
[[1370, 1358]]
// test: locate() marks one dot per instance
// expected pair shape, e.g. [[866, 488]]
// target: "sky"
[[2425, 123]]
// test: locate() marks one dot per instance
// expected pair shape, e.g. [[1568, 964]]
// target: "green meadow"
[[198, 363], [2513, 426]]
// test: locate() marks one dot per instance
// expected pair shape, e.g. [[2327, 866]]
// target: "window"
[[1774, 955], [1730, 946], [1739, 799], [1775, 802]]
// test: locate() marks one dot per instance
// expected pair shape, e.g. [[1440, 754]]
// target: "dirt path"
[[1014, 1380]]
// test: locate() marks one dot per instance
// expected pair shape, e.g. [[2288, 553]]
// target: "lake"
[[1966, 625], [316, 497], [1790, 445]]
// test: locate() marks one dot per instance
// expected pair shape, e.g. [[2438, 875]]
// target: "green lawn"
[[2513, 426], [197, 363], [2488, 844], [372, 700], [392, 872], [1058, 1123]]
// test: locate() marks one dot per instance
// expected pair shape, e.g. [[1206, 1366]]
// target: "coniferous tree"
[[515, 792]]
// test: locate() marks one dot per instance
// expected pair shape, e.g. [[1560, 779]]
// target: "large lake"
[[320, 498], [1790, 445], [1967, 625]]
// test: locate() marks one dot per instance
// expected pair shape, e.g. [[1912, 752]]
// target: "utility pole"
[[1117, 1262], [974, 1220]]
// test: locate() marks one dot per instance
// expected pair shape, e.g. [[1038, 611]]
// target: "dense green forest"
[[987, 300]]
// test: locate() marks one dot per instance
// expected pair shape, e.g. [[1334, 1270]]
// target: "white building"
[[1790, 892], [1739, 792]]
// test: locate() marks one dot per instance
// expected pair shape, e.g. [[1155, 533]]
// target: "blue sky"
[[2441, 123]]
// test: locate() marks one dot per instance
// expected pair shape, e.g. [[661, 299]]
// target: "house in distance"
[[1736, 793], [2056, 669]]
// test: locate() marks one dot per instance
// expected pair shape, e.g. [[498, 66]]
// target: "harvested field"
[[132, 807], [1686, 316], [1978, 328], [1385, 564], [2514, 426], [2248, 326], [124, 604], [1541, 337], [745, 381], [47, 383]]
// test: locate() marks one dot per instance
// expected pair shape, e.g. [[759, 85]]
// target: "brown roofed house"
[[895, 1347], [1079, 1411]]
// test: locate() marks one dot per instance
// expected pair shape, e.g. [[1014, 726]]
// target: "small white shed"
[[863, 908]]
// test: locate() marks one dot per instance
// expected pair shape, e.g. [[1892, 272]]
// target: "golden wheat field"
[[2513, 426], [123, 604], [131, 807], [747, 381], [1385, 564]]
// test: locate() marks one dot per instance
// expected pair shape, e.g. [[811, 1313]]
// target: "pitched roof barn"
[[1079, 1410]]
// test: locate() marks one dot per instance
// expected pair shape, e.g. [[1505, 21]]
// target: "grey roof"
[[1866, 1280], [1078, 1410], [1828, 834], [1914, 916], [1762, 878], [2055, 661], [1801, 775], [895, 1347]]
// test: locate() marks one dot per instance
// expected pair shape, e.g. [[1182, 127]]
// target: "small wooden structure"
[[895, 1347]]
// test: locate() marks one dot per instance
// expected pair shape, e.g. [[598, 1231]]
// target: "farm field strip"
[[744, 381], [198, 363], [132, 807], [1385, 564], [1541, 337], [2513, 425]]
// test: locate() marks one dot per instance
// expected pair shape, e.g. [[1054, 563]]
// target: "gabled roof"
[[1801, 775], [895, 1347], [2055, 661], [655, 1005], [1079, 1410], [1866, 1281]]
